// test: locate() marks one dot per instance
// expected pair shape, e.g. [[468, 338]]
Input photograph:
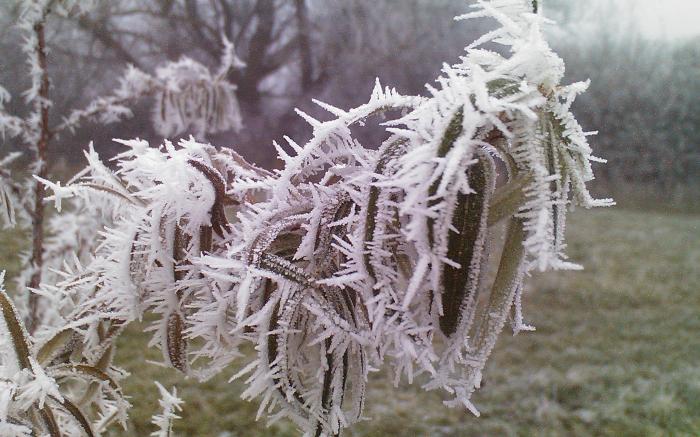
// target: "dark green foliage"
[[466, 246]]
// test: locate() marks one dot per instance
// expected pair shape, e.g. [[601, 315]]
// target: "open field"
[[616, 352]]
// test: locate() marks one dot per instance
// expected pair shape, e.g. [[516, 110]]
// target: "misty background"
[[643, 58]]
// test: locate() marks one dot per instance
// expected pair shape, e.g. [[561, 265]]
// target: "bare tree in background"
[[291, 48], [645, 104], [296, 50]]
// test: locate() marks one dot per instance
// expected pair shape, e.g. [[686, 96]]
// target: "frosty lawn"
[[615, 352]]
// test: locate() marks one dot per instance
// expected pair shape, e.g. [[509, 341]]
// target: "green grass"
[[11, 246], [615, 353]]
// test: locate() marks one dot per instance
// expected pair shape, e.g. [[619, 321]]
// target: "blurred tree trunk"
[[258, 65], [304, 37]]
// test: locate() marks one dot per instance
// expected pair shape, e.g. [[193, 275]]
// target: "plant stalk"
[[37, 257]]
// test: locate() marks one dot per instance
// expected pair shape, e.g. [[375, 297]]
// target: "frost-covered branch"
[[349, 257], [41, 388], [187, 96], [39, 134], [170, 404]]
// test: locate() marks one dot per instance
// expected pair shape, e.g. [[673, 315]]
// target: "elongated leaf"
[[205, 239], [6, 206], [325, 255], [219, 222], [176, 342], [18, 334], [180, 240], [49, 420], [508, 279], [277, 356], [388, 153], [326, 390], [555, 143], [102, 364], [51, 347], [452, 133], [87, 372], [262, 242], [508, 199], [77, 414], [466, 246]]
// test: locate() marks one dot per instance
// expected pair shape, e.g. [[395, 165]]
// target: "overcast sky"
[[668, 19]]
